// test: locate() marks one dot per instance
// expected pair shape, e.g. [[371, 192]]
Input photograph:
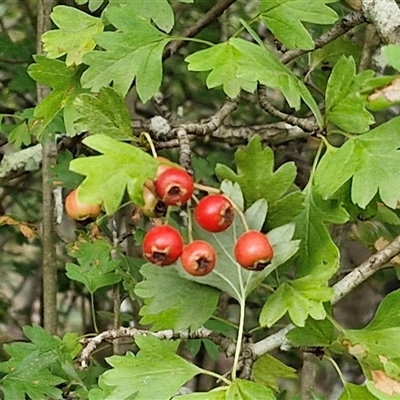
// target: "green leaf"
[[392, 54], [105, 114], [20, 136], [61, 174], [239, 64], [216, 394], [333, 51], [96, 267], [372, 161], [40, 338], [226, 62], [284, 17], [65, 83], [156, 372], [345, 104], [160, 12], [121, 166], [387, 315], [377, 338], [317, 252], [134, 52], [257, 179], [356, 392], [30, 370], [268, 369], [315, 333], [241, 389], [75, 36], [301, 298], [163, 290]]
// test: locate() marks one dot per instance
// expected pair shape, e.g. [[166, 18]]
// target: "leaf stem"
[[339, 372], [225, 321], [316, 161], [93, 311], [189, 39], [208, 189], [215, 375], [240, 213], [150, 141], [238, 349], [189, 221]]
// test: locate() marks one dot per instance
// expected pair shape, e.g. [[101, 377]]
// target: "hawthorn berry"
[[174, 186], [152, 207], [214, 213], [162, 245], [198, 258], [253, 250], [80, 211]]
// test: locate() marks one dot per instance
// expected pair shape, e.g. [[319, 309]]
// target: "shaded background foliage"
[[183, 97]]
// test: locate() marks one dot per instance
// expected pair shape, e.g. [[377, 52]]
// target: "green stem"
[[188, 39], [190, 222], [240, 213], [93, 311], [339, 372], [215, 375], [242, 28], [225, 321], [315, 163], [239, 338]]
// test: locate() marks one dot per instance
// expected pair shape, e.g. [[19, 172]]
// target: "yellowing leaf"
[[75, 36]]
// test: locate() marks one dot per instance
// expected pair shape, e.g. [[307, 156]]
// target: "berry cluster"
[[163, 245]]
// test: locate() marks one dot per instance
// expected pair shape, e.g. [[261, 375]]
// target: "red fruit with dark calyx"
[[214, 213], [174, 186], [198, 258], [162, 245], [80, 211], [253, 251]]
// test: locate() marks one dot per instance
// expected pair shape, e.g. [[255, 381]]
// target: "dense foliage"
[[284, 115]]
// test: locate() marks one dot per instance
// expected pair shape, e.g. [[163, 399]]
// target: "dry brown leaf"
[[390, 92], [7, 220], [385, 383], [28, 230]]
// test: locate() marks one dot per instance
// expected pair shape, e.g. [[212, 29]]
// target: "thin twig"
[[207, 19], [344, 25], [304, 123]]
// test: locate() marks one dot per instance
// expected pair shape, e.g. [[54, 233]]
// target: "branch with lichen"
[[91, 344], [343, 287]]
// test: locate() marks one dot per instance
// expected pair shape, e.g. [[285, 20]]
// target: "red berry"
[[198, 258], [162, 245], [174, 186], [80, 211], [253, 250], [214, 213]]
